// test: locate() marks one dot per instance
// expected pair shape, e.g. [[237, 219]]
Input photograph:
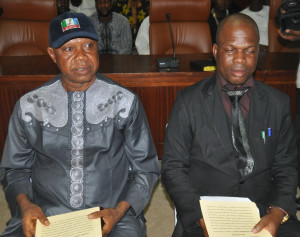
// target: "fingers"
[[109, 216], [95, 215], [44, 220], [267, 224], [108, 219], [29, 226], [282, 35], [106, 229], [258, 227], [290, 35], [30, 216], [202, 223], [28, 234]]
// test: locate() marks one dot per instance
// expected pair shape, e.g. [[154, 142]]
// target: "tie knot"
[[233, 94]]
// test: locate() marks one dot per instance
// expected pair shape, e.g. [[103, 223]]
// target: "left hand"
[[201, 224], [271, 221], [110, 216]]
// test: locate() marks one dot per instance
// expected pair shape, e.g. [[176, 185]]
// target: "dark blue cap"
[[68, 26]]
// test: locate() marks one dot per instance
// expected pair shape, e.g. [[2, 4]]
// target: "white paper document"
[[73, 224], [230, 217]]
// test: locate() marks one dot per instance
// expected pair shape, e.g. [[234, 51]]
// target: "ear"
[[51, 54], [215, 50]]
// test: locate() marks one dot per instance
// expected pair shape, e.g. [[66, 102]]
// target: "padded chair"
[[24, 26], [189, 23], [276, 43]]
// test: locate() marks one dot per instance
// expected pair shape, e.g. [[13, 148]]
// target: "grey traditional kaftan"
[[74, 150]]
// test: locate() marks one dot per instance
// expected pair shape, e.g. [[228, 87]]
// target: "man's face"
[[104, 7], [237, 52], [78, 61]]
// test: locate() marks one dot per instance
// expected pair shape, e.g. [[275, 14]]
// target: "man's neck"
[[105, 18]]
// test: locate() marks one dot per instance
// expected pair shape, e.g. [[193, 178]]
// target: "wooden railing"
[[157, 90]]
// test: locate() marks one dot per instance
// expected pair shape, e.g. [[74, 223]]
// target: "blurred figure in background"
[[258, 10], [112, 28], [87, 7], [219, 10], [142, 38]]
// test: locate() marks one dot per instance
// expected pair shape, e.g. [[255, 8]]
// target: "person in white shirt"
[[142, 38], [260, 14], [87, 7]]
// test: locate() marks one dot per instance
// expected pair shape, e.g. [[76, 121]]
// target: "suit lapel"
[[217, 116], [258, 108]]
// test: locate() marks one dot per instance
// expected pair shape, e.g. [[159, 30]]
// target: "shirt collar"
[[223, 82]]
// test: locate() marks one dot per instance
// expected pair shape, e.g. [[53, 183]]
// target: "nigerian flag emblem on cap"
[[69, 23]]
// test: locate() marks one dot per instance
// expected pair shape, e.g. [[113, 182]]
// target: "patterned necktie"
[[239, 133]]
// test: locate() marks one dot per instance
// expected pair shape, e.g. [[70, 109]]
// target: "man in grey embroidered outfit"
[[112, 28], [79, 141]]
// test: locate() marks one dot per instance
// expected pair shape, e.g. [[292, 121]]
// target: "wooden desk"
[[157, 90]]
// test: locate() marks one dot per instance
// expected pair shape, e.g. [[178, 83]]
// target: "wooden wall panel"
[[156, 90]]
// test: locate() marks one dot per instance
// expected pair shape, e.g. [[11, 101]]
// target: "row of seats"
[[190, 26], [24, 27]]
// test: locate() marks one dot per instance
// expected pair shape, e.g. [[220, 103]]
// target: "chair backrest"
[[24, 26], [189, 23], [276, 43]]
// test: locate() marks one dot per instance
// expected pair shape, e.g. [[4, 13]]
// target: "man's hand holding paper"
[[235, 217], [71, 224]]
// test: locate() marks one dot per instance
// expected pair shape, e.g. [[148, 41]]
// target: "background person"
[[87, 7], [258, 10], [219, 10], [112, 28]]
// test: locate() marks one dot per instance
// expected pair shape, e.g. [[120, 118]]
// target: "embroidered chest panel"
[[50, 104]]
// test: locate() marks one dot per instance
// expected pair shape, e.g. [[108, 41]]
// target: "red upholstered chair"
[[24, 26], [189, 22], [276, 43]]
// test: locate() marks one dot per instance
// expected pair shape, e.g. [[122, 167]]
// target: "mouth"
[[104, 11], [238, 72], [82, 70]]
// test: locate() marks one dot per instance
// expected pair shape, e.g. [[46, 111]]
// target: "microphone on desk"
[[168, 62]]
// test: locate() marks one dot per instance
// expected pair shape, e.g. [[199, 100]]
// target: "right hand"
[[30, 213], [201, 224], [291, 35]]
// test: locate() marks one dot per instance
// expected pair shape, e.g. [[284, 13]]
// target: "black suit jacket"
[[198, 157]]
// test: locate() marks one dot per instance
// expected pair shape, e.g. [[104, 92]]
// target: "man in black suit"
[[203, 155]]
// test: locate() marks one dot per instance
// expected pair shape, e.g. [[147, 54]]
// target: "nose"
[[80, 55], [239, 57]]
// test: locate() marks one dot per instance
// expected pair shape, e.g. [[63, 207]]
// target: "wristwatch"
[[285, 218]]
